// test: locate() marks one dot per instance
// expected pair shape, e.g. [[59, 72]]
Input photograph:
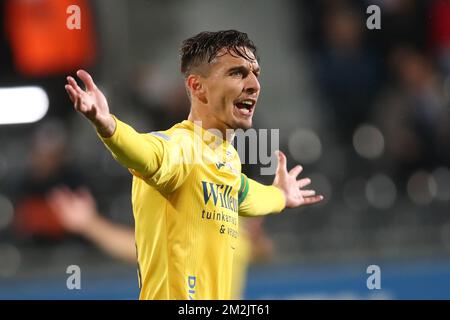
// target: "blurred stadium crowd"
[[366, 112]]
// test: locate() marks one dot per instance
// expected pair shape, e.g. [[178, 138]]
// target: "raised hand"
[[75, 209], [91, 103], [291, 187]]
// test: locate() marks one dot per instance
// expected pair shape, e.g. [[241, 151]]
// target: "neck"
[[211, 123]]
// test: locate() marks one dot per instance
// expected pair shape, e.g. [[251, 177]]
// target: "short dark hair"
[[205, 46]]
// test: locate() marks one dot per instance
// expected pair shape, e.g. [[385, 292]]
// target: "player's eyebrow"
[[257, 71]]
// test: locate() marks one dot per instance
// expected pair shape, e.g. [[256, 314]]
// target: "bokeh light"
[[305, 146], [421, 187], [381, 191], [442, 178], [368, 141]]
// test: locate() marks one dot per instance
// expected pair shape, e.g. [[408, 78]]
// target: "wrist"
[[90, 228], [107, 129]]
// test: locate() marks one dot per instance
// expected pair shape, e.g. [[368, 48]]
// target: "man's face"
[[232, 89]]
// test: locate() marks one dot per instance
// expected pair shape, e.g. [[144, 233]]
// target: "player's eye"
[[241, 73]]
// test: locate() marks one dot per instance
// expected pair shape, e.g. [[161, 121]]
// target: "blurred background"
[[366, 112]]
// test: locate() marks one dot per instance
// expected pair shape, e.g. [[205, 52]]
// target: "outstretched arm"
[[141, 153], [77, 212], [256, 199]]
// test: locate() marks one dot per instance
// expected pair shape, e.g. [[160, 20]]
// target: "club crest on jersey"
[[220, 165]]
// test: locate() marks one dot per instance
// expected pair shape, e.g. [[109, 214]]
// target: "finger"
[[281, 162], [307, 193], [78, 104], [73, 83], [303, 182], [78, 91], [296, 171], [56, 199], [71, 92], [65, 192], [312, 200], [58, 191], [84, 193], [87, 79]]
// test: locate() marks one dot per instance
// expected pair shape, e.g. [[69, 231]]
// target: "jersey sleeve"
[[153, 157], [256, 199]]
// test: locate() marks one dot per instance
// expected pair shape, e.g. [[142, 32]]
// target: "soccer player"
[[188, 189]]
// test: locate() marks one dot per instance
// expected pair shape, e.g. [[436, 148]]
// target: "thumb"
[[87, 80], [282, 166], [92, 114], [86, 195]]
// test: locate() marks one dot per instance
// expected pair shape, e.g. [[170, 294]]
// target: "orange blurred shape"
[[439, 20], [40, 40], [34, 217]]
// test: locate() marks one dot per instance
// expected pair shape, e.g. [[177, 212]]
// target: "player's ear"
[[196, 87]]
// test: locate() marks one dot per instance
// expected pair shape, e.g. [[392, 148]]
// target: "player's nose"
[[252, 85]]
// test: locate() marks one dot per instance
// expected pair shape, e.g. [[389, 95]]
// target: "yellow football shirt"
[[187, 193]]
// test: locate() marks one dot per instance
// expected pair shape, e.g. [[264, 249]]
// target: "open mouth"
[[245, 107]]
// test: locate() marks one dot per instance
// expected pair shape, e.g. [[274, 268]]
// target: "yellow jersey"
[[187, 193]]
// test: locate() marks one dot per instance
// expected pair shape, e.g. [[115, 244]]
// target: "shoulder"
[[177, 134]]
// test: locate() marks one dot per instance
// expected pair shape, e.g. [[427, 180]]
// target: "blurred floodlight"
[[10, 261], [381, 191], [353, 194], [368, 141], [422, 188], [442, 178], [6, 212], [22, 105], [305, 146]]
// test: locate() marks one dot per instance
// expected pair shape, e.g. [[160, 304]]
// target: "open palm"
[[90, 102], [291, 187]]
